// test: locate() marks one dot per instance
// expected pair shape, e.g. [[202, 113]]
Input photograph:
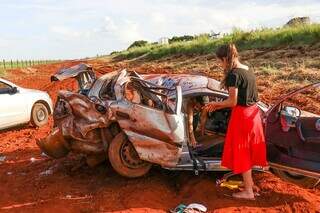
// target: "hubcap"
[[129, 156], [41, 115]]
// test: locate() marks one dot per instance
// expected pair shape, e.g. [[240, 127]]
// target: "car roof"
[[187, 82], [190, 84]]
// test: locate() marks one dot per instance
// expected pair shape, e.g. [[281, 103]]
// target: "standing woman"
[[244, 143]]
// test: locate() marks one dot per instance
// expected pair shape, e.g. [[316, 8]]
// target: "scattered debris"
[[191, 208], [179, 209], [32, 160], [46, 172], [44, 154], [2, 158], [69, 197], [231, 184]]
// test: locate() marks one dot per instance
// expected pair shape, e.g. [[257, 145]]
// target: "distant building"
[[298, 21], [215, 35], [163, 40]]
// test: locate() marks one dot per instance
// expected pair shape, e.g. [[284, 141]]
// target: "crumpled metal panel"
[[72, 72], [155, 151], [78, 118], [156, 135], [54, 144]]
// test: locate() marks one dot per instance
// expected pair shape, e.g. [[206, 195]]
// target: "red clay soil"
[[30, 182]]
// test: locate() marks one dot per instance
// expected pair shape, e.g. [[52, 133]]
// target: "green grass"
[[261, 38]]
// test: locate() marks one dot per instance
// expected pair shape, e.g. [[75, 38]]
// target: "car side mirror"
[[13, 90], [291, 111]]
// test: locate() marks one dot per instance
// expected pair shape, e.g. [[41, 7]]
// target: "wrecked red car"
[[136, 121]]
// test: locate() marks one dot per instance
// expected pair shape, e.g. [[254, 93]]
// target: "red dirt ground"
[[30, 182]]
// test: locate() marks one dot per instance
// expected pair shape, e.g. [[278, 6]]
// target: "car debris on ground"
[[2, 158]]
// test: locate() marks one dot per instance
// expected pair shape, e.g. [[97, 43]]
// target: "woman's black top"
[[245, 81]]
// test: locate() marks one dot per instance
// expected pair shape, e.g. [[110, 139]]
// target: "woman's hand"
[[210, 107], [230, 102]]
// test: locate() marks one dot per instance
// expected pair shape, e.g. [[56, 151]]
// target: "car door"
[[13, 107], [293, 140], [156, 134]]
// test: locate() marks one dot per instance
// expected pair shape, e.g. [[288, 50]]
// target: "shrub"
[[180, 38], [139, 43]]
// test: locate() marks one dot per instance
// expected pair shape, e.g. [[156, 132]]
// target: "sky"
[[73, 29]]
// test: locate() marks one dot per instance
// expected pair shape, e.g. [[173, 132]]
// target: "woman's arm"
[[231, 101]]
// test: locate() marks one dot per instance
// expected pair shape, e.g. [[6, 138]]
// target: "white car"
[[20, 105]]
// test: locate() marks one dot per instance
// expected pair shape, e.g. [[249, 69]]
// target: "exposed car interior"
[[300, 130], [135, 95], [144, 93], [107, 89], [6, 89], [211, 143], [305, 124], [85, 81]]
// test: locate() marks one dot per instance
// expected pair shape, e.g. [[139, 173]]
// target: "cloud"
[[67, 33], [80, 28], [126, 31], [109, 25], [4, 43]]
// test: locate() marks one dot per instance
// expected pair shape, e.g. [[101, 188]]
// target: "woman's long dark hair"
[[230, 53]]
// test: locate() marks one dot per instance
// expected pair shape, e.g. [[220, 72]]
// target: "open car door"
[[293, 136], [153, 124]]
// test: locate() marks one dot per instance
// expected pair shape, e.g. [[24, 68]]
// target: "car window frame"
[[3, 92], [152, 87]]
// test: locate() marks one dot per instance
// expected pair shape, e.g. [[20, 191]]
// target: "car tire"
[[300, 180], [39, 115], [124, 158]]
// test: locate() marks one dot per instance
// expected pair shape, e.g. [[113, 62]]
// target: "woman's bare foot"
[[248, 195], [255, 188]]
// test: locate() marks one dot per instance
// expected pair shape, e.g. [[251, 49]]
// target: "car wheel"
[[39, 115], [296, 178], [125, 159]]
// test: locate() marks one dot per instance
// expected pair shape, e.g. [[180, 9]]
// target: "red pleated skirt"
[[245, 142]]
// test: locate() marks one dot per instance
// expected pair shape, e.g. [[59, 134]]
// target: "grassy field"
[[261, 38]]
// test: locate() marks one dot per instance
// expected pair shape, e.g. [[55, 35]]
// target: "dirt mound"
[[31, 182]]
